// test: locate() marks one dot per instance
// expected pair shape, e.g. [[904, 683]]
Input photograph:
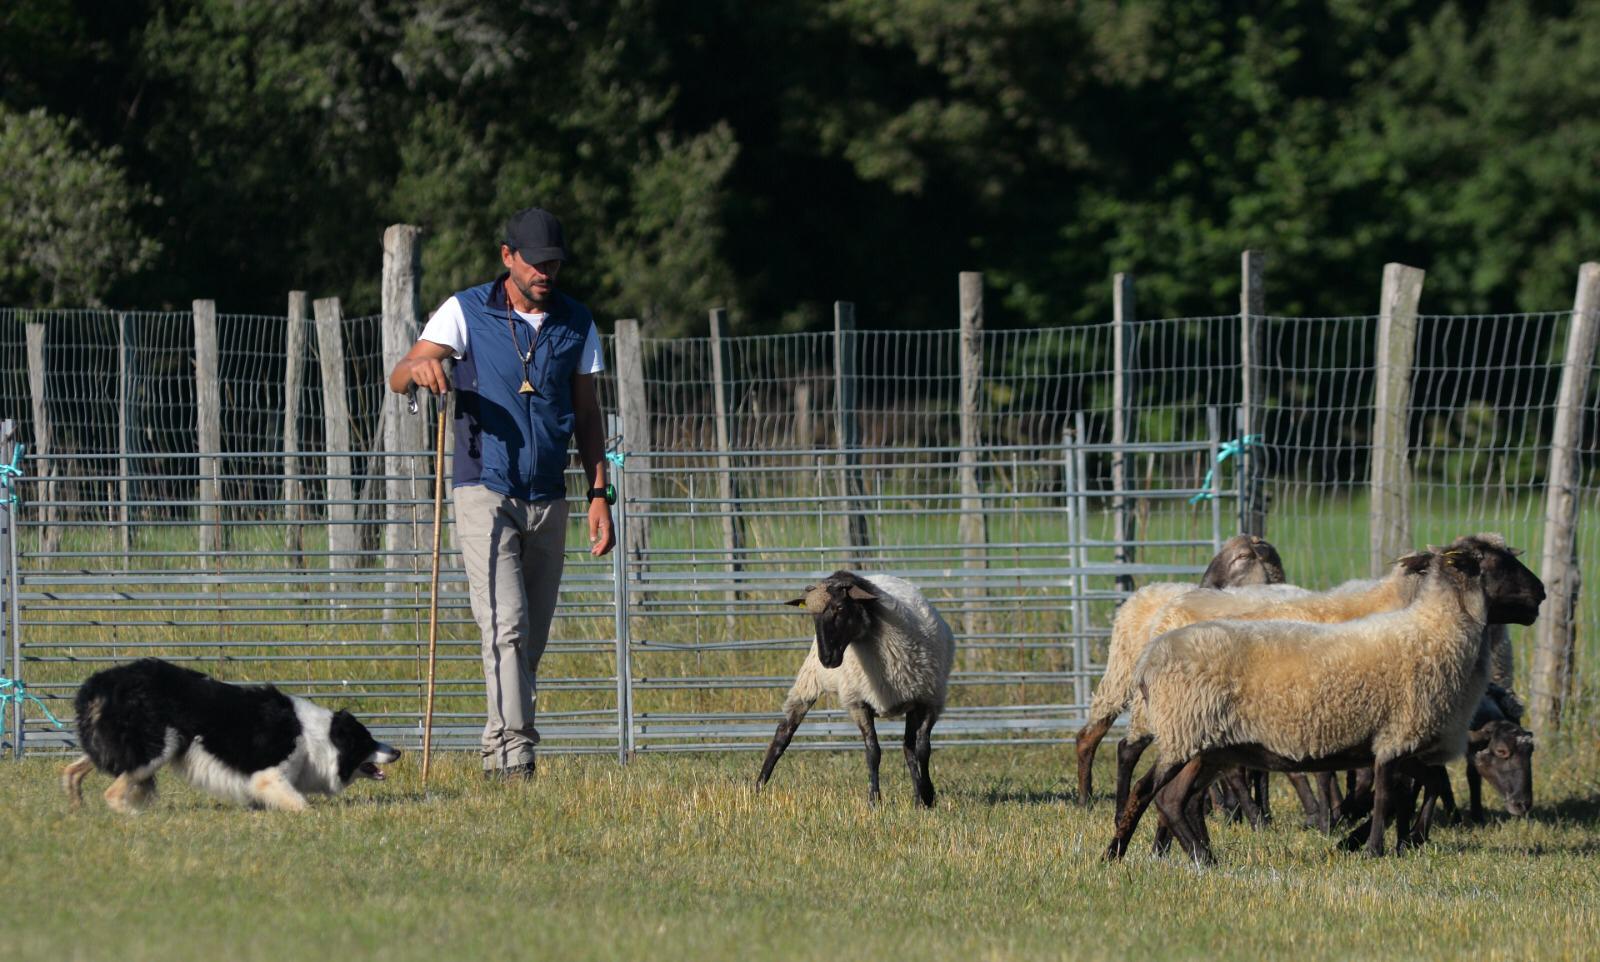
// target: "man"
[[526, 356]]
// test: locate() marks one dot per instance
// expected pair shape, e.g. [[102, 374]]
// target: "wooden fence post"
[[634, 408], [294, 366], [208, 414], [727, 487], [1390, 510], [847, 430], [43, 436], [1252, 305], [1554, 633], [408, 486], [974, 527], [1123, 313], [343, 540], [803, 432]]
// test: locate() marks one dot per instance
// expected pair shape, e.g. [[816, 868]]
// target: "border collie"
[[252, 745]]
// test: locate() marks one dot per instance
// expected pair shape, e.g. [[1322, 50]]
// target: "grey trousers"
[[513, 553]]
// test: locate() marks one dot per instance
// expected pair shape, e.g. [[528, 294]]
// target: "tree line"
[[773, 157]]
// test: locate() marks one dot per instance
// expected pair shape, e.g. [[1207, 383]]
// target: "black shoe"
[[511, 773]]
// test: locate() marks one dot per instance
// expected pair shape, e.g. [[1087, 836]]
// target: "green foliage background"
[[773, 157]]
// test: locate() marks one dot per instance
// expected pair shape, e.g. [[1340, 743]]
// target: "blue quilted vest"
[[516, 444]]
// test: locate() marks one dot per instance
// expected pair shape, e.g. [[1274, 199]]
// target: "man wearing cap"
[[526, 356]]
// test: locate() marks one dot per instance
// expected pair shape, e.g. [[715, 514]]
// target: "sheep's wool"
[[1290, 687], [909, 662]]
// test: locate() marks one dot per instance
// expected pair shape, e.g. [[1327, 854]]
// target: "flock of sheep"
[[1384, 680]]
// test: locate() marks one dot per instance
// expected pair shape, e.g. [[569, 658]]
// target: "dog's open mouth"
[[369, 770]]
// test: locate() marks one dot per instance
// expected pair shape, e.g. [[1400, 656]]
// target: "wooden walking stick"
[[433, 590]]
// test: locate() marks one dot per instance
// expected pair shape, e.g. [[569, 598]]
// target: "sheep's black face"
[[845, 621], [1514, 593], [841, 609], [1244, 560], [1502, 752]]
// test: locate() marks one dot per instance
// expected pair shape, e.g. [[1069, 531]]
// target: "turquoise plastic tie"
[[11, 471], [12, 690], [1229, 449]]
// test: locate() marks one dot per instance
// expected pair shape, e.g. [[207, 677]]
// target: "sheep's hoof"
[[874, 797], [1115, 850]]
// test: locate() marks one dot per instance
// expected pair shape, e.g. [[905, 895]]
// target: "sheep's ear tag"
[[862, 594], [796, 602]]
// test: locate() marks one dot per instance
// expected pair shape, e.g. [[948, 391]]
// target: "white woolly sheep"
[[1130, 636], [1395, 690], [1353, 599], [1244, 560], [882, 650]]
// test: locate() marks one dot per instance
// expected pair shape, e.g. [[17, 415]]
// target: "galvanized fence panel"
[[696, 622]]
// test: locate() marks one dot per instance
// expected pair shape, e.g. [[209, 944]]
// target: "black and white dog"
[[250, 745]]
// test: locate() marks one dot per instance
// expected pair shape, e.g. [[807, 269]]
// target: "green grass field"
[[674, 857]]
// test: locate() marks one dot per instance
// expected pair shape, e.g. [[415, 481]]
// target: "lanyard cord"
[[516, 345]]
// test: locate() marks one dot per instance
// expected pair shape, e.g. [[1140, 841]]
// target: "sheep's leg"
[[924, 751], [1194, 811], [1089, 739], [1358, 800], [1128, 752], [1163, 839], [1231, 790], [1175, 799], [794, 714], [1139, 798], [1228, 795], [1261, 781], [1328, 784], [1435, 782], [864, 715], [1315, 817], [1404, 795], [909, 746], [1447, 796], [1382, 792], [1252, 789], [1474, 792]]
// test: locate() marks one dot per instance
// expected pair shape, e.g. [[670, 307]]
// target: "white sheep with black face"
[[1247, 567], [1395, 689], [882, 650]]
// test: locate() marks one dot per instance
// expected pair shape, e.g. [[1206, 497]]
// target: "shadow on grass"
[[415, 797], [1579, 809], [1007, 796]]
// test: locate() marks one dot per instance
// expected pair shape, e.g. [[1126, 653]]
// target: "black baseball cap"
[[536, 235]]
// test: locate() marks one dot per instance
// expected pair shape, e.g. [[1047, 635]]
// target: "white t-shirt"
[[448, 326]]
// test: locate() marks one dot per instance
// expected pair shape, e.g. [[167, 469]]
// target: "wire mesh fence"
[[681, 641]]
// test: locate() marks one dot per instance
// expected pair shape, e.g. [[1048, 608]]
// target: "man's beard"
[[527, 291]]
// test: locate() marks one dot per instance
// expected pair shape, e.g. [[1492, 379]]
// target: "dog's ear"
[[344, 730]]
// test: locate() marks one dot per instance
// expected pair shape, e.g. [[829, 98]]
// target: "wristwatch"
[[609, 492]]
